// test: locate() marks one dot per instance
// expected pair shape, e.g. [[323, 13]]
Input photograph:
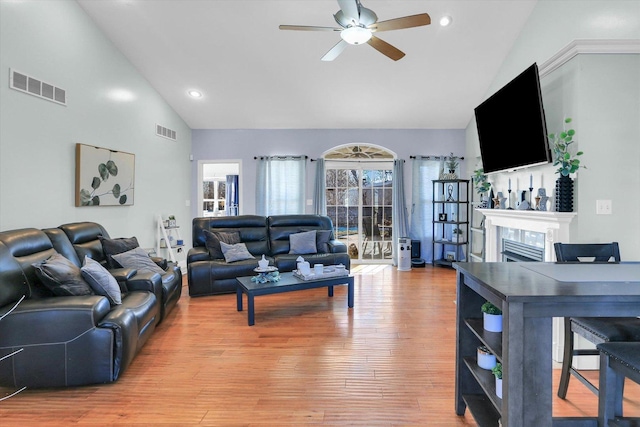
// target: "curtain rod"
[[358, 160], [280, 157], [438, 157]]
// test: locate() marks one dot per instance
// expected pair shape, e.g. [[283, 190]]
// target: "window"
[[280, 186]]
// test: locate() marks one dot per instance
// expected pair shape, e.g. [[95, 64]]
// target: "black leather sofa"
[[72, 340], [262, 235]]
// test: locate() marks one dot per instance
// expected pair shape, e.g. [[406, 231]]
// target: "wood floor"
[[389, 361]]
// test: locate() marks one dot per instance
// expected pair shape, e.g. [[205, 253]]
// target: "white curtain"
[[319, 192], [400, 224], [424, 171], [280, 185]]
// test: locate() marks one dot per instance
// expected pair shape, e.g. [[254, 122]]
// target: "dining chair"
[[371, 234], [596, 330], [618, 361]]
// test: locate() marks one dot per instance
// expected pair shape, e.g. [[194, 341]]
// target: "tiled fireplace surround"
[[556, 228]]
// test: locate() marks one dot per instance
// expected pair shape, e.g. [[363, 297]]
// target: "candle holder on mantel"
[[531, 208], [509, 200]]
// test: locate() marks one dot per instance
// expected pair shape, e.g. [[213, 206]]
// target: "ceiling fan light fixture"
[[356, 35]]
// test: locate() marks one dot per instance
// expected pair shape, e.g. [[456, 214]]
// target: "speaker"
[[415, 249]]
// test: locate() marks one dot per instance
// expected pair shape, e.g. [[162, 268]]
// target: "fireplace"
[[514, 251], [549, 227]]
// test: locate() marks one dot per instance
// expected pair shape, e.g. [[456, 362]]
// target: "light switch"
[[603, 207]]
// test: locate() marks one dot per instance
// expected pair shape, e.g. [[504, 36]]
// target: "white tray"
[[326, 275]]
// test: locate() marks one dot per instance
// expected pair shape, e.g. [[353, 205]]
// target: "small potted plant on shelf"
[[492, 317], [451, 164], [497, 372]]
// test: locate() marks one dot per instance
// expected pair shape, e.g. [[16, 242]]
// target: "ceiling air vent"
[[32, 86], [165, 132]]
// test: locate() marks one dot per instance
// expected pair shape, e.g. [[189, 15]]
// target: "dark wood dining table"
[[530, 295]]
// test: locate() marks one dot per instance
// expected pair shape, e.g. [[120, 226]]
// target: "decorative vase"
[[499, 387], [492, 322], [564, 194], [486, 359]]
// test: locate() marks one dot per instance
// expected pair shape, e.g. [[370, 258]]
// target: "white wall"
[[57, 42], [246, 144], [602, 95]]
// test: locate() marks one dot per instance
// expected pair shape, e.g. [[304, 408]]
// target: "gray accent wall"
[[601, 92], [109, 104], [246, 144]]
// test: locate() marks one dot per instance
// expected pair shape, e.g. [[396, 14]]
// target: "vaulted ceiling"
[[255, 76]]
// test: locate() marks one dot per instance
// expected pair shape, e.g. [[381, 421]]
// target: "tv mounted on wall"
[[511, 125]]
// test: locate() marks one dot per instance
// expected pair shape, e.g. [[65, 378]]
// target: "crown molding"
[[589, 46]]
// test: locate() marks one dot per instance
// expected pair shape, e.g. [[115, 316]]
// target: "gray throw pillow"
[[235, 252], [213, 239], [139, 259], [112, 247], [61, 276], [101, 281], [303, 243], [322, 241]]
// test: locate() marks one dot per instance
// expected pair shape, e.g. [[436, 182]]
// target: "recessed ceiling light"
[[446, 20], [195, 94]]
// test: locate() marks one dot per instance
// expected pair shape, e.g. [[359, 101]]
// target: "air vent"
[[32, 86], [165, 132]]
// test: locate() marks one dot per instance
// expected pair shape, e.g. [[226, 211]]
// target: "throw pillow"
[[213, 239], [112, 247], [139, 259], [235, 252], [303, 243], [322, 240], [101, 281], [61, 276]]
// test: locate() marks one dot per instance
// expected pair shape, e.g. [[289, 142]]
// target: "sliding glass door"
[[359, 201]]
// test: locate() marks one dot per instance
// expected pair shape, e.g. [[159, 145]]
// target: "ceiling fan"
[[357, 25]]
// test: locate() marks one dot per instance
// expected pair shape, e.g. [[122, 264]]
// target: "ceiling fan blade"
[[335, 51], [308, 28], [404, 22], [385, 48], [350, 9]]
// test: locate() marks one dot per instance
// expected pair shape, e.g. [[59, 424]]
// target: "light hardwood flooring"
[[389, 361]]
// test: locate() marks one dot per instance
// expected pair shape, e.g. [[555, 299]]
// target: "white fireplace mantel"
[[554, 226]]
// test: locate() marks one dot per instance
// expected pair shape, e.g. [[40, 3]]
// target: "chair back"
[[370, 229], [587, 252]]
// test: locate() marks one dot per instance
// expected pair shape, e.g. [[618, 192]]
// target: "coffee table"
[[287, 283]]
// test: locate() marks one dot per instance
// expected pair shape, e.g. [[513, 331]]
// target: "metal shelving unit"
[[450, 213]]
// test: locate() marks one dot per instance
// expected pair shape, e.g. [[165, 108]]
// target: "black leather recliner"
[[64, 341], [84, 238]]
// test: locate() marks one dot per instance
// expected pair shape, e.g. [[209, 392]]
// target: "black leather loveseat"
[[269, 236], [73, 340]]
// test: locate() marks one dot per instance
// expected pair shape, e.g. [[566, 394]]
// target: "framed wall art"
[[104, 177]]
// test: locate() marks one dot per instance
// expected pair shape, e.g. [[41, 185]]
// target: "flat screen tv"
[[511, 125]]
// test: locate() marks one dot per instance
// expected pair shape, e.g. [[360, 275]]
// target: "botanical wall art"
[[104, 177]]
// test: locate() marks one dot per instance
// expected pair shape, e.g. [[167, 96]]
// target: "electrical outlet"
[[603, 207]]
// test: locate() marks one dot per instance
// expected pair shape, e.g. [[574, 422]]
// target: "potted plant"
[[451, 164], [458, 235], [492, 317], [567, 163], [497, 372], [480, 181]]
